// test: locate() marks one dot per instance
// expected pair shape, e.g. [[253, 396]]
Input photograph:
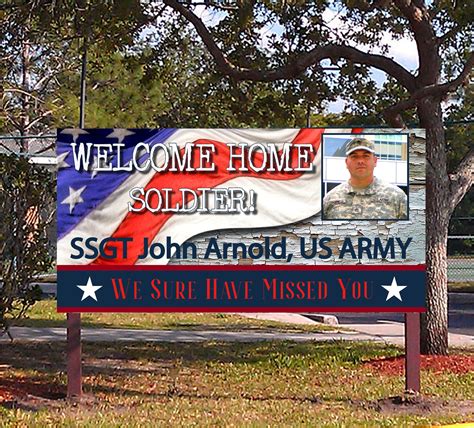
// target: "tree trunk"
[[434, 324], [25, 86]]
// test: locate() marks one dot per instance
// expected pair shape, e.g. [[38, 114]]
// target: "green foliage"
[[118, 94], [267, 35], [41, 45], [27, 195], [459, 133], [143, 54], [173, 86]]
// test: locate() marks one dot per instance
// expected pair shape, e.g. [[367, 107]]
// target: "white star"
[[394, 290], [75, 132], [120, 134], [74, 198], [61, 160], [89, 290]]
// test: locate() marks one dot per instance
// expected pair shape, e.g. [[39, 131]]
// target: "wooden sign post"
[[412, 352], [74, 356]]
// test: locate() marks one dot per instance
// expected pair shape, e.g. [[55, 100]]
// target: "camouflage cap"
[[360, 143]]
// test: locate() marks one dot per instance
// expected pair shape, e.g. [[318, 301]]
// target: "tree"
[[317, 51], [306, 47], [163, 68], [27, 194], [460, 120], [41, 41], [33, 53], [118, 94], [167, 84]]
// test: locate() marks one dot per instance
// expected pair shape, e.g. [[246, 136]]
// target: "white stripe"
[[278, 203], [107, 217]]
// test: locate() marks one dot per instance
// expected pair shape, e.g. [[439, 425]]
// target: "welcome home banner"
[[227, 220]]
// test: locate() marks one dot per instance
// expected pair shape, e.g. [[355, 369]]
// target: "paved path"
[[131, 335], [388, 332], [380, 330], [393, 332], [460, 319]]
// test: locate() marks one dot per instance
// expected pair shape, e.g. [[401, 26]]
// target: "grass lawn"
[[43, 314], [222, 384], [461, 287]]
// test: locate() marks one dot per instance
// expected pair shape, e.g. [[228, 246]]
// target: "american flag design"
[[95, 203]]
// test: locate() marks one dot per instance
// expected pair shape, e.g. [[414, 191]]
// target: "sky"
[[402, 51]]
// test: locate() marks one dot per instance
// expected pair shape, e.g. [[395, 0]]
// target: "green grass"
[[43, 314], [221, 384], [461, 287]]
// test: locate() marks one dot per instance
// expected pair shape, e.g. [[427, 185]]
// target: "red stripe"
[[379, 309], [266, 267], [147, 224]]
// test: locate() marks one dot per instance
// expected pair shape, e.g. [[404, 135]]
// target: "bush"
[[27, 196]]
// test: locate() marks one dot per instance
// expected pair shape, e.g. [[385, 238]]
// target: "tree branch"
[[452, 85], [450, 33], [214, 5], [462, 179], [38, 119], [7, 148], [417, 14], [392, 113], [439, 91], [22, 92], [299, 64], [45, 149]]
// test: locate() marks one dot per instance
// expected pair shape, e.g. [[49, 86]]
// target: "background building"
[[392, 165]]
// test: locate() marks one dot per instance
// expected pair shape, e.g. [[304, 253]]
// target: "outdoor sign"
[[180, 220]]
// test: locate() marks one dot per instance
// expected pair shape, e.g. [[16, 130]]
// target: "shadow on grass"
[[55, 323], [49, 323], [44, 355], [171, 391], [36, 393], [46, 362], [40, 386]]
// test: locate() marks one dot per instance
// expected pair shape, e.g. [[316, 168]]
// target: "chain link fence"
[[461, 265], [41, 149]]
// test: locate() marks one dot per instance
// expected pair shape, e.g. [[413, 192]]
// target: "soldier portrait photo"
[[364, 196]]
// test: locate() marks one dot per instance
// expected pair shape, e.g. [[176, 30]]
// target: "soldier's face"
[[361, 164]]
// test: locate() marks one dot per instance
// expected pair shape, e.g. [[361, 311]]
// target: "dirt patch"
[[457, 364], [29, 393], [33, 395], [419, 405], [31, 403]]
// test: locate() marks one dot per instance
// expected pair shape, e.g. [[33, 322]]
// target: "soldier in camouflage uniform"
[[364, 196]]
